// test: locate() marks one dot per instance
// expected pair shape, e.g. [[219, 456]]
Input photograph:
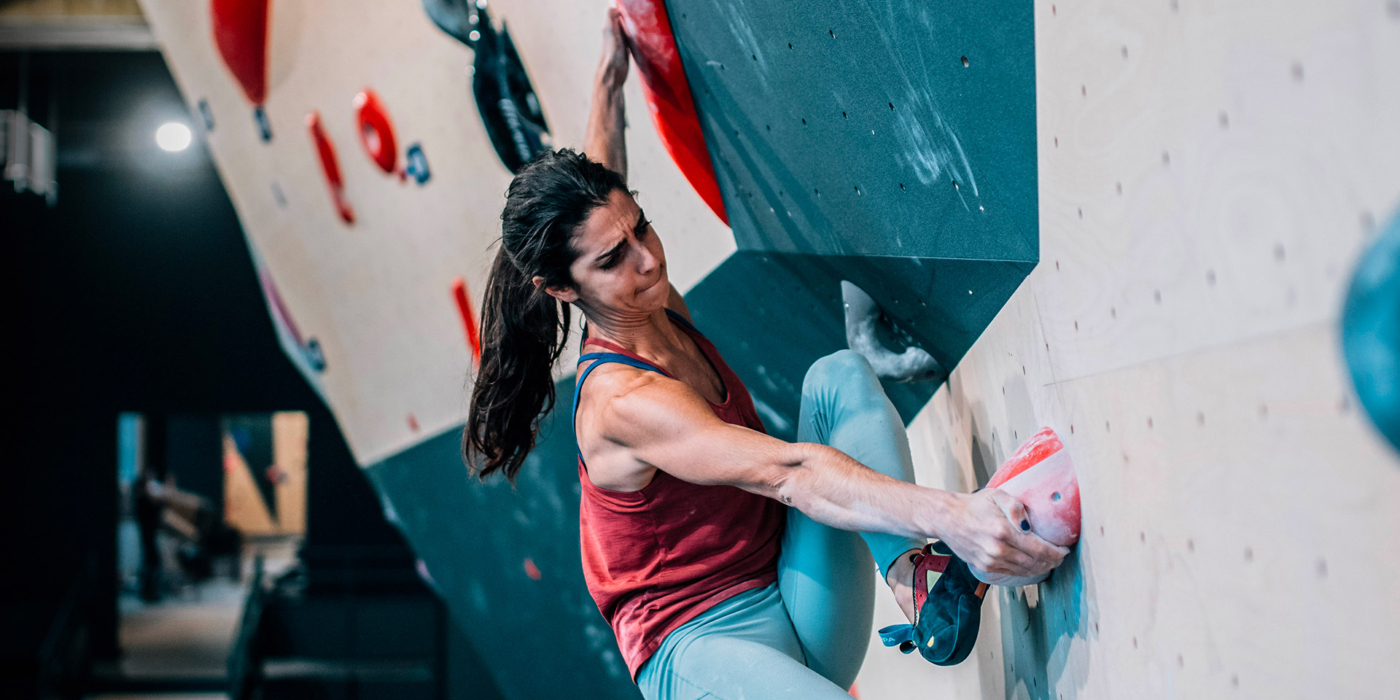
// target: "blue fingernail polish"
[[1025, 526]]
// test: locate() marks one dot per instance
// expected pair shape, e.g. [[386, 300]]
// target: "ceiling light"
[[173, 136]]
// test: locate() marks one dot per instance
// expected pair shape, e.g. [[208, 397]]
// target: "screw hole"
[[1055, 497]]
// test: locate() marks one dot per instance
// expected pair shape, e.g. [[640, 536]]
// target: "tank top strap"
[[602, 358], [679, 319]]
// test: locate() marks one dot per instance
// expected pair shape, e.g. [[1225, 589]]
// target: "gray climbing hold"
[[862, 313]]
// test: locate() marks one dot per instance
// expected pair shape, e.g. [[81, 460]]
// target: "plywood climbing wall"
[[1209, 174]]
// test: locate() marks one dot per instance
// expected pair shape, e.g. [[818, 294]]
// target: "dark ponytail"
[[523, 328]]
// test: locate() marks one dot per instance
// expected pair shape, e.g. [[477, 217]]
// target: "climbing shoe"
[[947, 609]]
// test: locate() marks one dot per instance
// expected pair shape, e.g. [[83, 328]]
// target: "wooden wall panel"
[[1241, 535]]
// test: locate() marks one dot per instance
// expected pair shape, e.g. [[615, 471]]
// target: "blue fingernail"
[[1025, 526]]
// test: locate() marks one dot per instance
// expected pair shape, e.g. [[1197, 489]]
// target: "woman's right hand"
[[990, 531]]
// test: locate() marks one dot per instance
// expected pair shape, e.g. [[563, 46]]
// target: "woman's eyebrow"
[[611, 251], [641, 222]]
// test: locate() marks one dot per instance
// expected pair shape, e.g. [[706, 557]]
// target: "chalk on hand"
[[1042, 477]]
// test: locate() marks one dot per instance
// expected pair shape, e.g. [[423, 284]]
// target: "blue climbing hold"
[[417, 167], [1371, 331], [206, 115], [264, 124]]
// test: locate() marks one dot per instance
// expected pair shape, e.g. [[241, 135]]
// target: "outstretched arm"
[[654, 422], [605, 141]]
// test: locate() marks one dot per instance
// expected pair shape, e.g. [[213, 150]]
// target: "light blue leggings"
[[806, 636]]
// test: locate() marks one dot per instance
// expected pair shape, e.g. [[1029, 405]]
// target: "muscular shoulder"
[[613, 381], [620, 404]]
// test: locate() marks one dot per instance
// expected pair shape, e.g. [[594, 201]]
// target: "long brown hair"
[[523, 328]]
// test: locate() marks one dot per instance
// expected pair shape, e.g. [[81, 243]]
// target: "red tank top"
[[654, 559]]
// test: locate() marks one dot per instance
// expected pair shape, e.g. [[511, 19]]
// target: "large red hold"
[[240, 33], [667, 93], [1042, 476]]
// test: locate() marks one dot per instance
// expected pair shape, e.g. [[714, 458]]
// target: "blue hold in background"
[[1371, 331]]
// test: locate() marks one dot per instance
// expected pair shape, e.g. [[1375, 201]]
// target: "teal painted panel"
[[879, 128], [541, 638]]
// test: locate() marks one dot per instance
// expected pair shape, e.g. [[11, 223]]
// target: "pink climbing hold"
[[240, 34], [667, 93], [531, 570], [1042, 476]]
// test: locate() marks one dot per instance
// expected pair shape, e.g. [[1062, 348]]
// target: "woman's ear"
[[564, 294]]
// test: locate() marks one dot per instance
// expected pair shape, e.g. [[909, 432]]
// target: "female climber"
[[728, 563]]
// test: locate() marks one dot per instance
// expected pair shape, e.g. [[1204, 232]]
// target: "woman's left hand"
[[612, 71]]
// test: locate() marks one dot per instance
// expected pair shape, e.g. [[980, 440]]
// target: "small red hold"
[[276, 474], [330, 166], [376, 131], [413, 422], [531, 570], [464, 309]]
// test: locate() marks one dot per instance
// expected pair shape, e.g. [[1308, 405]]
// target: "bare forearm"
[[606, 141], [832, 488]]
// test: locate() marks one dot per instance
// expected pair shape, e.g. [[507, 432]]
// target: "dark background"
[[135, 292]]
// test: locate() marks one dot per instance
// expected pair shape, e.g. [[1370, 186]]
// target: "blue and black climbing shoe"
[[947, 605]]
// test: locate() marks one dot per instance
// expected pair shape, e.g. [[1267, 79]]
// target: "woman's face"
[[621, 268]]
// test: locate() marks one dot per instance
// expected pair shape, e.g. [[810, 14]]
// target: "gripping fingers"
[[1013, 508]]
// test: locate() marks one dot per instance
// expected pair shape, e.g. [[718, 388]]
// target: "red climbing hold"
[[1042, 476], [464, 308], [531, 570], [667, 93], [330, 167], [376, 131], [240, 33]]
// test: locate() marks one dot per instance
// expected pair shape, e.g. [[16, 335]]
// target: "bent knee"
[[843, 368]]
